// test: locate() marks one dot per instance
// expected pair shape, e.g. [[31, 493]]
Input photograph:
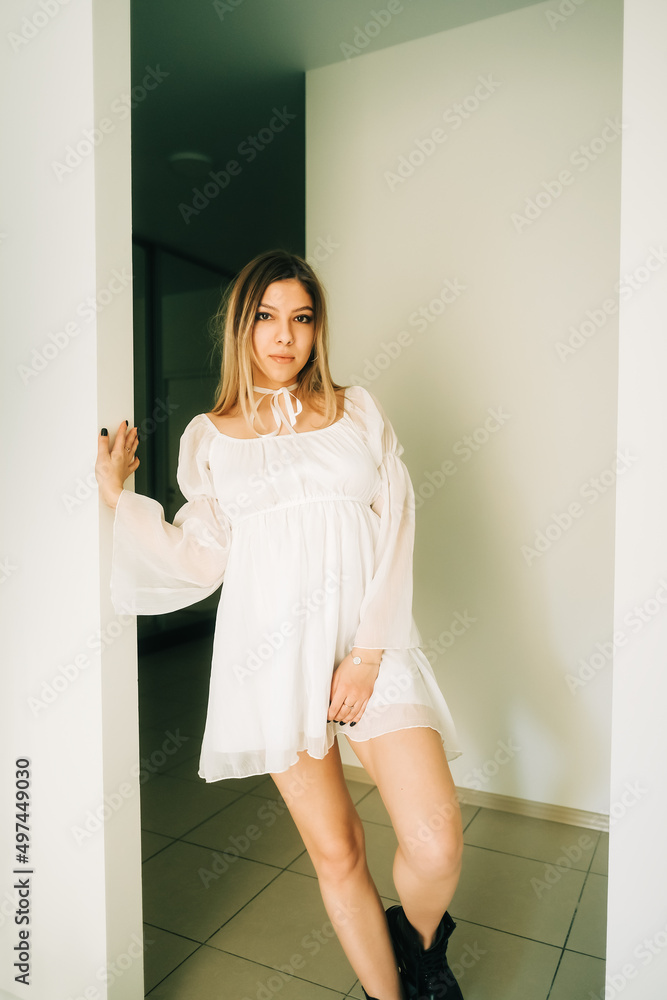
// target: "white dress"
[[312, 533]]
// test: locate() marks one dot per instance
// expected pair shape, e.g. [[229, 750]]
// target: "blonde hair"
[[233, 325]]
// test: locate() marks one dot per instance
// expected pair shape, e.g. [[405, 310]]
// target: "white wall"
[[500, 294], [69, 698], [637, 928]]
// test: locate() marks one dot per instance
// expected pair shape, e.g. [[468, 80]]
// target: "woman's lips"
[[281, 359]]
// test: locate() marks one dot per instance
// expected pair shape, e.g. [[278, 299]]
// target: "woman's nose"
[[284, 333]]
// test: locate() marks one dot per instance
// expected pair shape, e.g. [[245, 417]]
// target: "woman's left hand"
[[352, 686]]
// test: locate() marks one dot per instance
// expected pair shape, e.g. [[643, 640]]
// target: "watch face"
[[356, 659]]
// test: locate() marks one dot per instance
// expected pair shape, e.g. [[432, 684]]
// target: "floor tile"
[[589, 929], [600, 865], [172, 749], [578, 976], [191, 722], [163, 952], [150, 737], [512, 894], [373, 809], [491, 965], [252, 827], [189, 769], [192, 891], [151, 843], [172, 806], [288, 919], [542, 840], [210, 973], [381, 846], [154, 711]]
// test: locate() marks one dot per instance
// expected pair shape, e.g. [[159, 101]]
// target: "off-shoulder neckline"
[[282, 437]]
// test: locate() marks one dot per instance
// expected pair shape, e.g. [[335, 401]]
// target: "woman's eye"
[[305, 316]]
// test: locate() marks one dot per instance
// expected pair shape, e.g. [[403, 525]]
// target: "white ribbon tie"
[[278, 414]]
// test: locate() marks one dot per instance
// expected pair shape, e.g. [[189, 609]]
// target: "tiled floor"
[[232, 908]]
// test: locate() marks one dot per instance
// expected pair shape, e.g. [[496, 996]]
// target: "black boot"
[[425, 974]]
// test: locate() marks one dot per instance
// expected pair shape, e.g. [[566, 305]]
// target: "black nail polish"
[[341, 723], [137, 435], [126, 424], [105, 432], [352, 724]]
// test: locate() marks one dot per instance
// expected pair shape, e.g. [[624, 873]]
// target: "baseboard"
[[509, 803]]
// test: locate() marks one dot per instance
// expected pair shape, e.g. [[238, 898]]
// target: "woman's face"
[[283, 327]]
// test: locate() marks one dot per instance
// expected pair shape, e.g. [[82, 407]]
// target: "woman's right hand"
[[115, 462]]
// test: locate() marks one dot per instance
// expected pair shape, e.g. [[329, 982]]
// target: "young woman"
[[297, 498]]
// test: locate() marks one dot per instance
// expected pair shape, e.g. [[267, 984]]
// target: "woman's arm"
[[158, 567]]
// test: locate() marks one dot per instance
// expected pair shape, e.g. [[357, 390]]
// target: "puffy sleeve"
[[159, 567], [386, 620]]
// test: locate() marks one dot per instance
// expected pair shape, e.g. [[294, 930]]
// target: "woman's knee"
[[434, 853], [338, 854]]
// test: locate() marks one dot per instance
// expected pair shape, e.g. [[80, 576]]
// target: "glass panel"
[[177, 368]]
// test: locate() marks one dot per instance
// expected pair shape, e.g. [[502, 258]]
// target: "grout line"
[[240, 910], [525, 857], [558, 965], [178, 934], [500, 930], [274, 968], [160, 981]]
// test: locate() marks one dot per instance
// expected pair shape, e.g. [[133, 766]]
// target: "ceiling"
[[215, 70]]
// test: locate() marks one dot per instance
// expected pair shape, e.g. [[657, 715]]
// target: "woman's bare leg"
[[319, 802], [413, 777]]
